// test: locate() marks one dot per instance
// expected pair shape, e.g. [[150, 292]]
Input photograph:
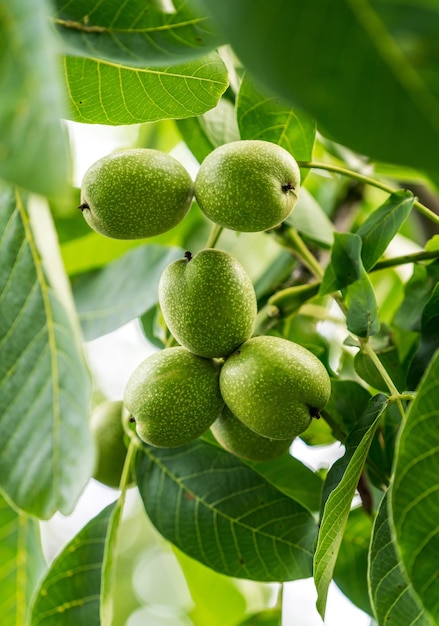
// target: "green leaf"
[[141, 34], [296, 48], [362, 316], [208, 590], [21, 563], [268, 617], [122, 290], [339, 489], [70, 592], [44, 383], [393, 598], [346, 266], [33, 143], [382, 225], [350, 573], [293, 478], [220, 512], [214, 128], [311, 221], [260, 116], [414, 494], [346, 405], [101, 92]]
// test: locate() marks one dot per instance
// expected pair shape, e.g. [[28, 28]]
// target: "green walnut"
[[274, 386], [136, 193], [238, 439], [208, 302], [106, 426], [248, 185], [174, 397]]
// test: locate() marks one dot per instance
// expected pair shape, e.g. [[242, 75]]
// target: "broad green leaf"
[[222, 513], [295, 49], [101, 92], [150, 326], [122, 290], [293, 478], [44, 383], [33, 143], [382, 225], [140, 33], [260, 116], [350, 573], [430, 314], [393, 599], [208, 591], [414, 495], [21, 564], [339, 489], [70, 591]]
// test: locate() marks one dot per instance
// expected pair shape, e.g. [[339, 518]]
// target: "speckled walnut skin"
[[135, 194], [248, 186], [208, 302], [274, 386], [174, 397]]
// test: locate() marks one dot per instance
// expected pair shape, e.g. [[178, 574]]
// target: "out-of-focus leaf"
[[338, 491], [140, 34], [101, 92], [70, 591], [121, 291], [317, 57], [33, 143], [393, 598], [44, 383], [414, 493], [311, 221], [21, 563], [222, 513], [209, 131], [208, 590]]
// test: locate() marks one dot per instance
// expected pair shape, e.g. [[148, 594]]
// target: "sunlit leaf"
[[44, 383], [21, 563], [260, 116], [102, 92]]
